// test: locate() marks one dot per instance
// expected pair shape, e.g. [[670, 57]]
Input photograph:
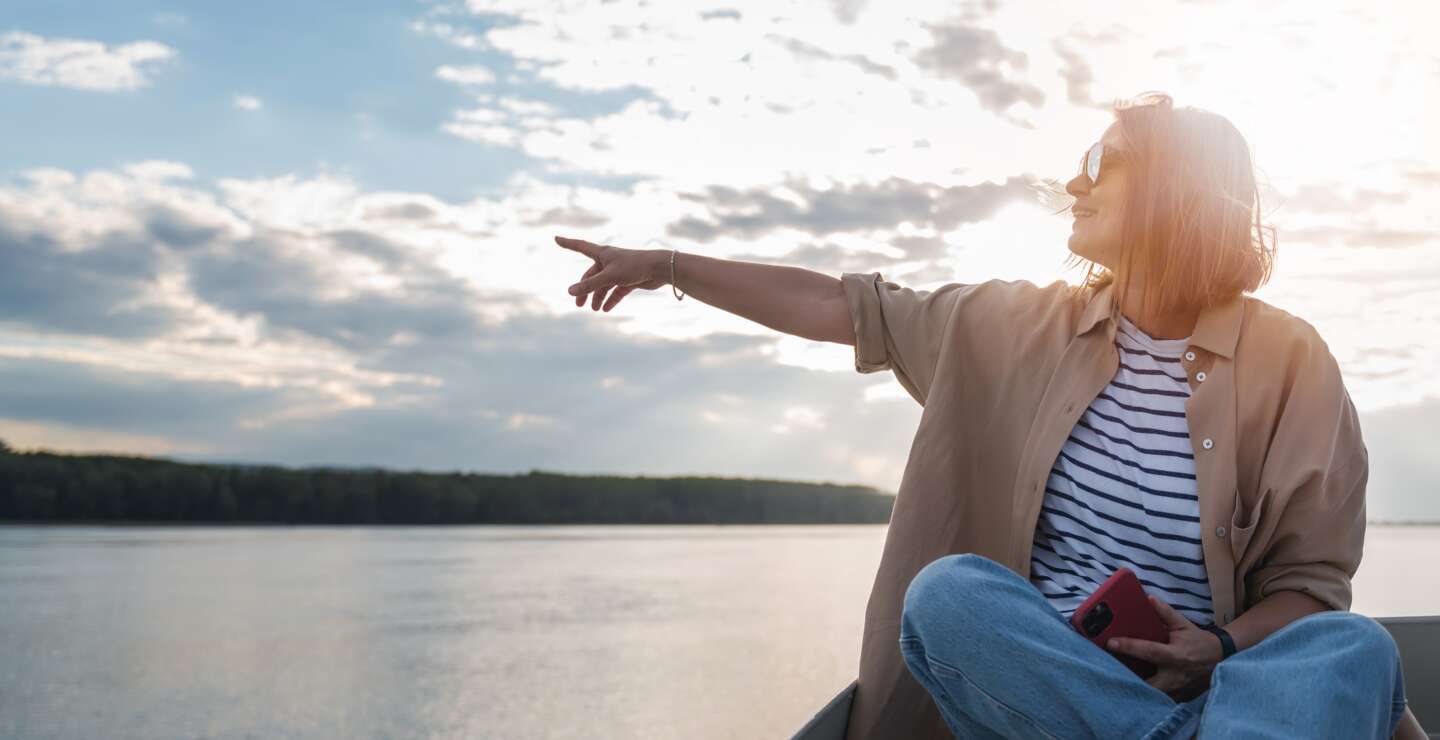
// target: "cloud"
[[1329, 198], [247, 102], [862, 206], [978, 58], [1362, 236], [80, 64], [471, 75], [102, 290], [1404, 469], [219, 323], [804, 50], [1077, 73], [723, 13]]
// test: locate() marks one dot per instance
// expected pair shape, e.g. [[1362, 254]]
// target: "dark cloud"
[[81, 395], [831, 259], [97, 289], [866, 206], [272, 275], [810, 51], [176, 229], [402, 212], [1077, 74], [572, 216], [977, 58]]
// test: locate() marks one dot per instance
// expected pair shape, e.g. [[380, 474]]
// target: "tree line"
[[48, 487]]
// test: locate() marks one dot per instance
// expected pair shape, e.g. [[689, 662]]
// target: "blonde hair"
[[1191, 225]]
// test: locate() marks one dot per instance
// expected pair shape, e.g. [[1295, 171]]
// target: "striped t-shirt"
[[1122, 490]]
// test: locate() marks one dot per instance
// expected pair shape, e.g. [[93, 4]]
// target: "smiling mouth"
[[1082, 213]]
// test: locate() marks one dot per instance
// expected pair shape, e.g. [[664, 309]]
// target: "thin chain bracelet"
[[678, 295]]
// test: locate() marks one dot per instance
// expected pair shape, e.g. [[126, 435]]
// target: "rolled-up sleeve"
[[1319, 465], [897, 328]]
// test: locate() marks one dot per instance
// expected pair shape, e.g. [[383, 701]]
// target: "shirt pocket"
[[1243, 521]]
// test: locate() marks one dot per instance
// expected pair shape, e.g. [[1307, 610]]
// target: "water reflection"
[[510, 632]]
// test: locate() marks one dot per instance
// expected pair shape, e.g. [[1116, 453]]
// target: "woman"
[[1155, 417]]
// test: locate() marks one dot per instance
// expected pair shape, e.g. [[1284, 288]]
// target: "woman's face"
[[1096, 237]]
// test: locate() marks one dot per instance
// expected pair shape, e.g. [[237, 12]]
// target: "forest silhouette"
[[38, 486]]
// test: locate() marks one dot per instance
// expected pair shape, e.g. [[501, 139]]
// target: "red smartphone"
[[1120, 608]]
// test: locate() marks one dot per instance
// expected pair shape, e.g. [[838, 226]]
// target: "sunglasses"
[[1097, 154]]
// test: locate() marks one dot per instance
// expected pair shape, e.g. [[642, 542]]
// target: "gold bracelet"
[[678, 295]]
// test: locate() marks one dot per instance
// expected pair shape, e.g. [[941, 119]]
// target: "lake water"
[[473, 632]]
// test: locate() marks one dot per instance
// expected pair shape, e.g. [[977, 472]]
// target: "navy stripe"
[[1131, 463], [1141, 371], [1158, 568], [1137, 344], [1139, 430], [1070, 590], [1126, 523], [1127, 543], [1138, 576], [1141, 409], [1121, 440], [1157, 358], [1118, 479], [1057, 569], [1150, 391]]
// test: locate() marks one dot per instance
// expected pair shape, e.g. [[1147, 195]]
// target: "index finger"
[[1159, 653], [579, 245]]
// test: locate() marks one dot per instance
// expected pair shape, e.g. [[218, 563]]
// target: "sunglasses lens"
[[1092, 161]]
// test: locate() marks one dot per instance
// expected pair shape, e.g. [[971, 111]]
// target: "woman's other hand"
[[1185, 663], [617, 271]]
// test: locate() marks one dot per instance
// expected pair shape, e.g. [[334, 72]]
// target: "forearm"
[[792, 300], [1270, 614]]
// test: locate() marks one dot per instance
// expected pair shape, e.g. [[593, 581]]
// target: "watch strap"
[[1227, 644]]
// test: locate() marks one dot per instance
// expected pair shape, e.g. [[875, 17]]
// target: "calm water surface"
[[477, 632]]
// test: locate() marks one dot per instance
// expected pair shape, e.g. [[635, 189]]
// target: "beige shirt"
[[1005, 369]]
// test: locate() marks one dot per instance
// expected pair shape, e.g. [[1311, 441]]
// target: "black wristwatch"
[[1227, 645]]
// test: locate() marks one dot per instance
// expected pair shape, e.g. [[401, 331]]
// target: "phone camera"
[[1097, 619]]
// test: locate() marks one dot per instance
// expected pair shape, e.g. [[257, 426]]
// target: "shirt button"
[[1219, 531], [1190, 356], [1208, 443], [1200, 376]]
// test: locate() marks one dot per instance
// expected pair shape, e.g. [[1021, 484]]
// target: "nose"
[[1078, 185]]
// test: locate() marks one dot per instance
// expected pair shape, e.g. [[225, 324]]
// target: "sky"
[[320, 233]]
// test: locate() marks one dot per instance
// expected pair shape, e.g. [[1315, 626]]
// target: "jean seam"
[[911, 649], [946, 667]]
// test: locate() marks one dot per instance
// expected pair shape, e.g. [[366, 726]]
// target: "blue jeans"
[[1001, 662]]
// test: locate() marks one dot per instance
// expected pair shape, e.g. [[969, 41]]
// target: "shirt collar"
[[1217, 329]]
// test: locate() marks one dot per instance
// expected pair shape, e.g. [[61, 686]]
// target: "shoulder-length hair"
[[1191, 226]]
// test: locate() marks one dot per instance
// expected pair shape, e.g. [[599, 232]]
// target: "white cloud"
[[465, 75], [78, 63], [247, 102]]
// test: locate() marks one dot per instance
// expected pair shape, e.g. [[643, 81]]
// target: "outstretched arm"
[[791, 300]]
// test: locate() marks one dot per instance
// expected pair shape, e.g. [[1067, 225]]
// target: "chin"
[[1079, 248], [1086, 250]]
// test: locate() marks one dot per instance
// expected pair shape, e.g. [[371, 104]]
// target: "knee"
[[1353, 632], [948, 585]]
